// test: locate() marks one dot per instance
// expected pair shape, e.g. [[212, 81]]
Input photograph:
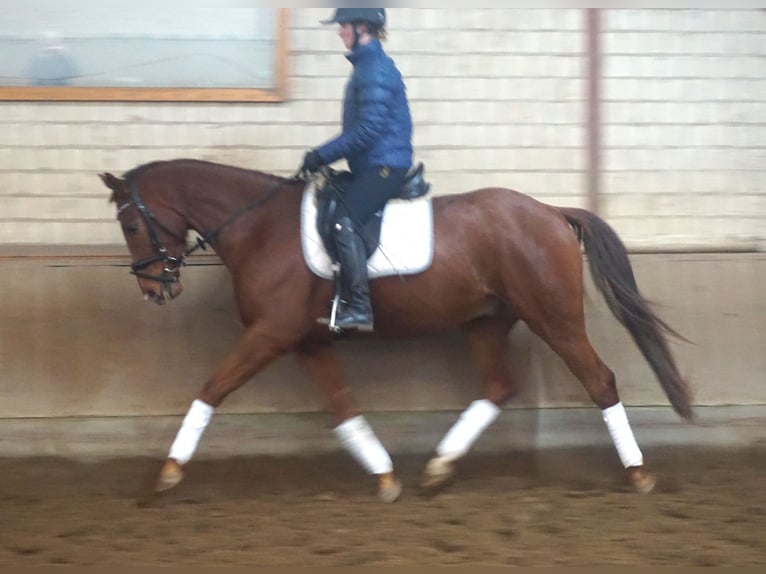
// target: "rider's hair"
[[376, 32]]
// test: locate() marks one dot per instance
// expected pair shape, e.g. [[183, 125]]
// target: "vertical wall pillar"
[[593, 128]]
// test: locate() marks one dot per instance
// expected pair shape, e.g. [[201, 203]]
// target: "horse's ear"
[[114, 183]]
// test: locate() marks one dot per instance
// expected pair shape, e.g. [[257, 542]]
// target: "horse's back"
[[498, 217], [498, 199]]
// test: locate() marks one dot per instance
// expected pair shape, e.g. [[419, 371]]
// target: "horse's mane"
[[136, 172]]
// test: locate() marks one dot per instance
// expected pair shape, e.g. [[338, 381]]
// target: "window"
[[149, 50]]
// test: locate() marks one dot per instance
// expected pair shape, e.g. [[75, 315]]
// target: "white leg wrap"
[[472, 422], [195, 422], [358, 438], [619, 428]]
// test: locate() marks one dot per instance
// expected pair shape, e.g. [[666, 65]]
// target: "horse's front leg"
[[256, 348], [352, 429]]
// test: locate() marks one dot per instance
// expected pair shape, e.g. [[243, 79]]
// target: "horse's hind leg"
[[488, 340], [352, 429], [566, 335]]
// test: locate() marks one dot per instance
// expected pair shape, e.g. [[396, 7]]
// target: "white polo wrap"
[[472, 422], [194, 424], [616, 420], [358, 438]]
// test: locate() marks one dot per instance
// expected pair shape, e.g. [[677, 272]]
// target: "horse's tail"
[[613, 274]]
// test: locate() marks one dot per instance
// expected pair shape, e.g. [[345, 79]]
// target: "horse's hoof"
[[389, 488], [438, 472], [170, 475], [642, 480]]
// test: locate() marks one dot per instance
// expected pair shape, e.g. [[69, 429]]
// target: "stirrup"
[[336, 302], [332, 324], [330, 321]]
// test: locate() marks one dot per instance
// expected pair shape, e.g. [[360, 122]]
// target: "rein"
[[172, 263], [209, 237]]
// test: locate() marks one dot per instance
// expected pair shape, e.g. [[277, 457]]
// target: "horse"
[[500, 257]]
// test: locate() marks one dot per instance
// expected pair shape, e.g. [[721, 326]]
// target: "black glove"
[[311, 162]]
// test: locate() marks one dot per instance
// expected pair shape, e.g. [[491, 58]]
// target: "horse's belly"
[[411, 312]]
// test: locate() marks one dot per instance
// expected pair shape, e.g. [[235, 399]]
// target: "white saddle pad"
[[406, 238]]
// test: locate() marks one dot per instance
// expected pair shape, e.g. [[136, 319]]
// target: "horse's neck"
[[228, 214]]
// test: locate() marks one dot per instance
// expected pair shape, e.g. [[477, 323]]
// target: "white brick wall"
[[685, 133], [498, 98]]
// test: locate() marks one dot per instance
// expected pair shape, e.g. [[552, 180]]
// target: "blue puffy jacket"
[[377, 126]]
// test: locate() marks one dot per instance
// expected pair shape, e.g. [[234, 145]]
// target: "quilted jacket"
[[377, 126]]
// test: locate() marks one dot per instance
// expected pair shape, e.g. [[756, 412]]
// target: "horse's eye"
[[130, 229]]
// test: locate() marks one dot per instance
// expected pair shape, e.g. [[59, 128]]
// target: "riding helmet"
[[374, 16]]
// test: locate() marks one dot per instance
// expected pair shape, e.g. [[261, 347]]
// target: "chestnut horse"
[[499, 257]]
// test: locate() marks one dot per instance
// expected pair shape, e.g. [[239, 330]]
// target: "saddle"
[[329, 194]]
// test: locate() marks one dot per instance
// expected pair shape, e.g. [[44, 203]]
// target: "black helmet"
[[374, 16]]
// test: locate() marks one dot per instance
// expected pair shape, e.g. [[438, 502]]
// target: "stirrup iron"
[[336, 301]]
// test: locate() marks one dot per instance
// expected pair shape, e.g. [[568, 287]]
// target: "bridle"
[[172, 263]]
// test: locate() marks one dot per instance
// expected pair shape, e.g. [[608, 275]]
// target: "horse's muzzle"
[[161, 289], [163, 292]]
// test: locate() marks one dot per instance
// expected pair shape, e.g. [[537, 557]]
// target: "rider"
[[376, 141]]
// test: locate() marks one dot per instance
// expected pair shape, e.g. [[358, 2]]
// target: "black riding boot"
[[356, 312]]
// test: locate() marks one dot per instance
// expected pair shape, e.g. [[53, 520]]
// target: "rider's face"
[[346, 33]]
